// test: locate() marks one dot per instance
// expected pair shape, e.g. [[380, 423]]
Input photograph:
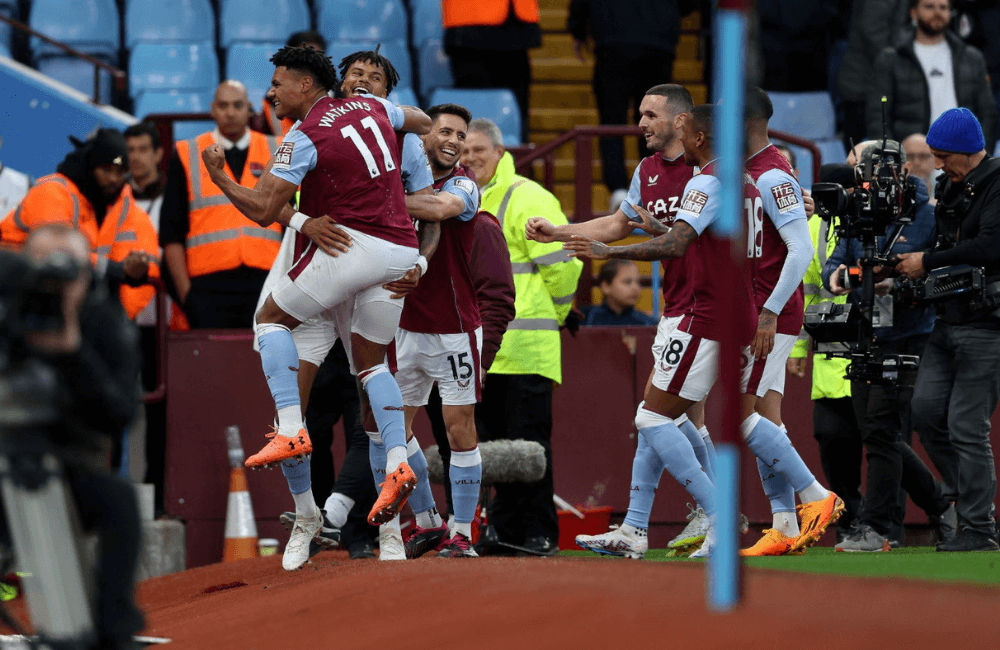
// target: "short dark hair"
[[308, 61], [610, 270], [374, 58], [449, 109], [758, 105], [676, 94], [785, 149], [300, 39], [144, 128], [703, 120]]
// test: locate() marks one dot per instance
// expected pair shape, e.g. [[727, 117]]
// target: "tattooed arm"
[[763, 341], [671, 245], [650, 224]]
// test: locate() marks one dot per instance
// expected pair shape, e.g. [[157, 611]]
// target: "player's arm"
[[261, 204], [669, 246], [429, 238], [459, 197], [611, 228], [405, 118]]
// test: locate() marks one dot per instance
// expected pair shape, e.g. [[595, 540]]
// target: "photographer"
[[883, 411], [958, 384], [93, 351]]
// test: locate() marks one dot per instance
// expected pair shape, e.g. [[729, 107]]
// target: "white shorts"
[[451, 360], [689, 365], [664, 329], [770, 375], [318, 282]]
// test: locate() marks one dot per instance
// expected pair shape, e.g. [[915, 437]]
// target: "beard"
[[929, 29]]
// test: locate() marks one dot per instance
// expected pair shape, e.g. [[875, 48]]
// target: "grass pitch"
[[917, 563]]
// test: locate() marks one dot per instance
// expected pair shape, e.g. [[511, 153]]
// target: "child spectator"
[[619, 282]]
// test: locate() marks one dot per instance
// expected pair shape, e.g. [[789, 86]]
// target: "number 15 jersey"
[[345, 157]]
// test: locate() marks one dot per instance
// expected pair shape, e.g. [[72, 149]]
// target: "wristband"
[[422, 263], [297, 221]]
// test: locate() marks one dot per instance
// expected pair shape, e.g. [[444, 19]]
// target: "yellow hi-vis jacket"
[[828, 374], [545, 276]]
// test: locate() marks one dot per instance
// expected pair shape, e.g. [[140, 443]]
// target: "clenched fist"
[[214, 156]]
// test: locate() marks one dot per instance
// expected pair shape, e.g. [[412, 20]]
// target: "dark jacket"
[[907, 321], [874, 24], [642, 23], [899, 76], [603, 316], [494, 281]]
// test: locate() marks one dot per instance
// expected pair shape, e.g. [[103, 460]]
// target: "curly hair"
[[307, 61], [374, 58]]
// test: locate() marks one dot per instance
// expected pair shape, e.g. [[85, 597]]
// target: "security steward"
[[89, 193], [216, 257], [958, 383]]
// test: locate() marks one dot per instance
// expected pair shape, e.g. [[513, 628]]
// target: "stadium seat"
[[433, 68], [403, 97], [396, 52], [807, 115], [831, 151], [426, 21], [499, 105], [5, 51], [173, 66], [261, 20], [362, 20], [178, 21], [90, 26], [175, 101], [77, 74], [191, 129], [250, 63]]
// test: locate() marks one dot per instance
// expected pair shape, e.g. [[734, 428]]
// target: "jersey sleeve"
[[416, 171], [700, 205], [465, 189], [295, 157], [634, 196], [781, 195], [396, 117]]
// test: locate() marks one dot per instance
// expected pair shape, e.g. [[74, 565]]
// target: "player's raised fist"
[[214, 156], [539, 229]]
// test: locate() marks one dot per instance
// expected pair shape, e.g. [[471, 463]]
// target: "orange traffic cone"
[[241, 529]]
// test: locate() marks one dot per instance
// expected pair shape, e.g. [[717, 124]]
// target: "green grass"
[[918, 563]]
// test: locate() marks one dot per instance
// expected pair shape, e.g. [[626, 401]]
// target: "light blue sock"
[[387, 405], [466, 473], [421, 498], [778, 491], [771, 445], [698, 444], [280, 361], [709, 446], [376, 457], [674, 451], [297, 475], [646, 472]]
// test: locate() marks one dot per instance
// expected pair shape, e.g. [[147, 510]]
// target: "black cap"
[[839, 173], [104, 147]]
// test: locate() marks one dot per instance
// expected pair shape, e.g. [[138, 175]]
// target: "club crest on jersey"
[[694, 202], [283, 156], [784, 196], [653, 179]]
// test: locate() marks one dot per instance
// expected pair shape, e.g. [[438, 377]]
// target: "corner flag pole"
[[725, 589]]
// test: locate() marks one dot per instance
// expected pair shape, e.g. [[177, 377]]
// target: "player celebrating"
[[340, 155]]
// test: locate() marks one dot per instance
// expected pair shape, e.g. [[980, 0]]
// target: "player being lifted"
[[688, 366], [342, 154]]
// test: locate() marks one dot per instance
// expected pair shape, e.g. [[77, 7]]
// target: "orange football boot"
[[774, 542], [281, 448], [816, 516], [392, 497]]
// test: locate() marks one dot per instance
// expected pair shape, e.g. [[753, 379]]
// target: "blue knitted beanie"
[[957, 130]]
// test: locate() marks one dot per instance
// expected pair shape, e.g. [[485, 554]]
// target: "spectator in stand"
[[619, 282], [874, 24], [13, 186], [634, 41], [142, 141], [920, 162], [795, 40], [488, 43], [928, 72], [217, 258], [267, 121]]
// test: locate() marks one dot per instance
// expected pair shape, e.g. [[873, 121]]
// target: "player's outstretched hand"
[[401, 287], [649, 223], [214, 156], [328, 236], [539, 229], [763, 341], [580, 246]]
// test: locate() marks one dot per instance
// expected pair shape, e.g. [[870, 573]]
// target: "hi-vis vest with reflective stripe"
[[465, 13], [220, 238], [545, 278]]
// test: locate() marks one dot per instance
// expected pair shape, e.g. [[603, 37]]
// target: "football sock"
[[300, 484], [466, 471], [677, 457], [772, 446], [786, 523], [280, 362], [778, 491], [697, 444], [646, 472], [421, 500], [338, 507], [429, 518], [634, 531], [709, 446], [376, 457], [387, 407]]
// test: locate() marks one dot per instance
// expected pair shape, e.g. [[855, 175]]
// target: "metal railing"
[[162, 327], [118, 76]]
